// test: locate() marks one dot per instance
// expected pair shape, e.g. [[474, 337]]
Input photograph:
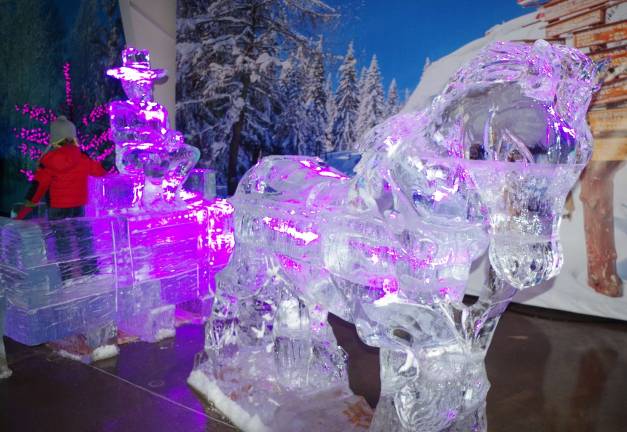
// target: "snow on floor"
[[236, 414], [165, 334], [104, 352]]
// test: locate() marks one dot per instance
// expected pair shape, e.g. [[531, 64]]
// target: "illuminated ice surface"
[[486, 168], [145, 246], [175, 236], [76, 275], [145, 147], [60, 280]]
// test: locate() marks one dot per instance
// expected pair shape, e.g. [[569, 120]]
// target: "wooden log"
[[614, 32], [608, 122], [613, 92], [597, 197], [557, 41], [587, 19], [610, 149], [555, 10]]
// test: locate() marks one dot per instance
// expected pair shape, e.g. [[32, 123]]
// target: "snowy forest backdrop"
[[253, 79], [54, 55]]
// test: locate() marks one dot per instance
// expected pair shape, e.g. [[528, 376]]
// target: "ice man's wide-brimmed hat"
[[136, 67]]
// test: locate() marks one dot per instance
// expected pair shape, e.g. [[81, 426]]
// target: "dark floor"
[[546, 374]]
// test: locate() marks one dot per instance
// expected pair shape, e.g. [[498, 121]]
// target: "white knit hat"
[[61, 129]]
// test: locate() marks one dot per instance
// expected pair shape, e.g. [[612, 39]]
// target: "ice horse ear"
[[577, 84], [539, 81]]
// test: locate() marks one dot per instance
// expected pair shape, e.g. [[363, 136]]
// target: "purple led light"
[[287, 227], [382, 286], [33, 140], [317, 169], [289, 264]]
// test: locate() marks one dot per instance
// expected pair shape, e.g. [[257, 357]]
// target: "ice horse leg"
[[441, 386]]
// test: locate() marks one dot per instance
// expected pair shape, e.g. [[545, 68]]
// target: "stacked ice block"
[[60, 278], [76, 276], [170, 259], [202, 181], [119, 194]]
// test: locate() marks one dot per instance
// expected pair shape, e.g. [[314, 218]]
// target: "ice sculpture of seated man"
[[146, 148], [486, 167]]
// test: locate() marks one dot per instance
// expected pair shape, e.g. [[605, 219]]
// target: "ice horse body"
[[487, 167]]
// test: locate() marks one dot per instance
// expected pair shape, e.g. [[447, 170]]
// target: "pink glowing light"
[[321, 171], [68, 86], [28, 173], [287, 227], [289, 263], [383, 289], [40, 114], [33, 140], [95, 114]]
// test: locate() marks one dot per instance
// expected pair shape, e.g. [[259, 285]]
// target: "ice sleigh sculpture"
[[485, 169], [145, 246], [90, 275]]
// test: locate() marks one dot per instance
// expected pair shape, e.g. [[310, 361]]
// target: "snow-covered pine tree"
[[290, 133], [392, 101], [329, 145], [225, 69], [360, 129], [316, 104], [347, 104], [372, 107], [361, 82], [229, 56]]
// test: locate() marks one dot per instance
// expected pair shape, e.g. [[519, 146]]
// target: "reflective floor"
[[548, 373]]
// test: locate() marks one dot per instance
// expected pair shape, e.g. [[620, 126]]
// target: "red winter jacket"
[[64, 171]]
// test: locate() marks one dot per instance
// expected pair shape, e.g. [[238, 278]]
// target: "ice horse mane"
[[552, 74], [559, 77]]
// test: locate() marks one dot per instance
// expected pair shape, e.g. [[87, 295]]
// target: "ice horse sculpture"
[[146, 149], [486, 167]]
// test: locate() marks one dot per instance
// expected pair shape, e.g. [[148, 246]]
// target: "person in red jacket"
[[63, 171]]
